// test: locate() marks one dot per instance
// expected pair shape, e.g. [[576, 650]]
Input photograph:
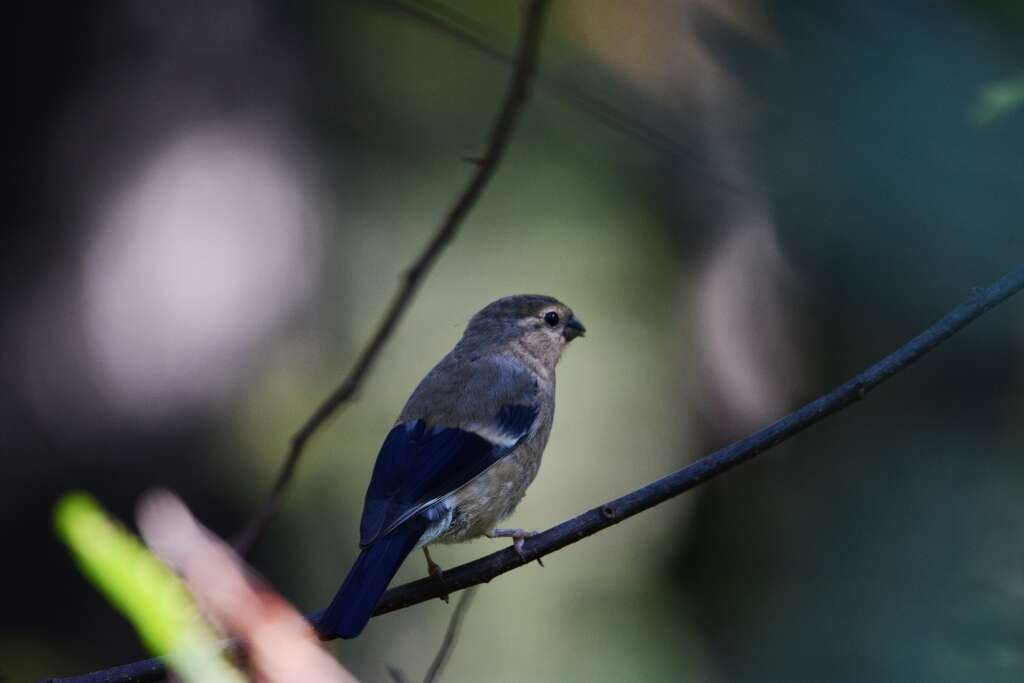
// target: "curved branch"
[[515, 99], [680, 481]]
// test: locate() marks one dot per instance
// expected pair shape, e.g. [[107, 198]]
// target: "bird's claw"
[[518, 537], [517, 543], [435, 572]]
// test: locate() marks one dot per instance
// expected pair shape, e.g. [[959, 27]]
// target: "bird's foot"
[[518, 537], [435, 571]]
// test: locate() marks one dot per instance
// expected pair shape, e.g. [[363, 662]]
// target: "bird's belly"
[[482, 503]]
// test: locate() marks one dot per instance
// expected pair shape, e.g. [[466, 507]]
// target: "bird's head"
[[538, 325]]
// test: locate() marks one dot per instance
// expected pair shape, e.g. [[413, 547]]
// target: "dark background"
[[209, 204]]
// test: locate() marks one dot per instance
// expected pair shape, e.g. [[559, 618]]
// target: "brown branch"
[[597, 519], [515, 99]]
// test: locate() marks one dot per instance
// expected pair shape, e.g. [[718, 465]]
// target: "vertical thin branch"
[[515, 99], [451, 636], [396, 675], [444, 653]]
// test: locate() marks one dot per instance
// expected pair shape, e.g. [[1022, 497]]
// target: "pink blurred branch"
[[611, 513]]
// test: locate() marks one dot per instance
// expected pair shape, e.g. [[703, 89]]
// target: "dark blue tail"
[[369, 577]]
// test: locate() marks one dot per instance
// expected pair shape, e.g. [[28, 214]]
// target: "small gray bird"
[[462, 453]]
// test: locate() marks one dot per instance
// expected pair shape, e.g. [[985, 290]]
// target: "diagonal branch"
[[695, 474], [515, 99], [611, 513]]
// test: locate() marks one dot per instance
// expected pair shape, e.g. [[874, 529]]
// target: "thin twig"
[[451, 637], [460, 27], [611, 513], [515, 99], [397, 676]]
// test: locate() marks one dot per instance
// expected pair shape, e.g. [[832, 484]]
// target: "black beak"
[[573, 328]]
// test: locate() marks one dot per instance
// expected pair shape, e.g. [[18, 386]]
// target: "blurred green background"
[[746, 203]]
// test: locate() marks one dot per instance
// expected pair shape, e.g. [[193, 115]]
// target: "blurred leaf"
[[997, 99], [143, 589]]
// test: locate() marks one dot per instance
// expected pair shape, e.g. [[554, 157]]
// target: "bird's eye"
[[551, 318]]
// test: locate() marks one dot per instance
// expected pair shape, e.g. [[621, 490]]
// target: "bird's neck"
[[543, 367]]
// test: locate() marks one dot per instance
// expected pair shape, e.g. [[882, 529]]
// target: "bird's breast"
[[477, 507]]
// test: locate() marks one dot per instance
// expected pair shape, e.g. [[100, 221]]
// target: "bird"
[[463, 451]]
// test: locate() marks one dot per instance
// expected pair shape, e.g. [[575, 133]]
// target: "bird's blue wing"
[[419, 464]]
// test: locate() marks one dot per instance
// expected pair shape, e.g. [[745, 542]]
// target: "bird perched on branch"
[[460, 456]]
